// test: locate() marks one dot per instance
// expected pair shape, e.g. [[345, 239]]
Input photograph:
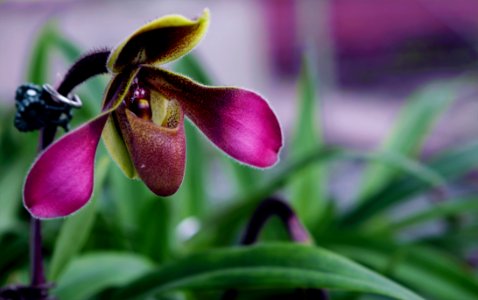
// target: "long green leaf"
[[93, 273], [39, 60], [76, 228], [438, 211], [308, 186], [154, 236], [10, 201], [414, 123], [126, 197], [424, 269], [219, 226], [264, 267], [196, 174], [457, 240], [451, 164]]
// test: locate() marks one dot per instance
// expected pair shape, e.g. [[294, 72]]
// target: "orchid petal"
[[60, 181], [118, 88], [160, 41], [117, 149], [157, 152], [111, 137], [238, 121]]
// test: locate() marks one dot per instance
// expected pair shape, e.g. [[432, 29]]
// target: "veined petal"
[[157, 152], [238, 121], [160, 41], [61, 180]]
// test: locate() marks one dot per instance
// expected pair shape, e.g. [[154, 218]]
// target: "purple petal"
[[61, 180], [117, 89], [158, 152], [238, 121]]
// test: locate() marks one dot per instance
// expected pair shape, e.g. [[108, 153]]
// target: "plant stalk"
[[86, 67], [47, 135]]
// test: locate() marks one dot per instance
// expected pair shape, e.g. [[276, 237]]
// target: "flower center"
[[139, 103], [150, 105]]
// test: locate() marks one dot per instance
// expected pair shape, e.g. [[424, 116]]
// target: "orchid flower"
[[142, 123]]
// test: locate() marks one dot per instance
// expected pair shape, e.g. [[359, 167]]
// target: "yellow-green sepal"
[[117, 149], [116, 91], [160, 41]]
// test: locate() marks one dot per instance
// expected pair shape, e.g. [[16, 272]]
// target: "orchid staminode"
[[142, 123]]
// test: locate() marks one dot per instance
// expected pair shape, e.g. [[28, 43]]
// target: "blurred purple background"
[[371, 54]]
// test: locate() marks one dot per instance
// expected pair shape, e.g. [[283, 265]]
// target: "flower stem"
[[37, 271], [86, 67], [47, 135], [274, 207]]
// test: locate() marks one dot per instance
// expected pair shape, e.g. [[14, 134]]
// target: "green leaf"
[[456, 240], [194, 195], [191, 66], [154, 237], [308, 186], [39, 61], [67, 48], [13, 251], [219, 226], [92, 273], [413, 125], [264, 267], [436, 211], [426, 270], [451, 164], [126, 196], [76, 228], [11, 200]]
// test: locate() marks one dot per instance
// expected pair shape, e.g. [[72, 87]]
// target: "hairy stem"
[[88, 66]]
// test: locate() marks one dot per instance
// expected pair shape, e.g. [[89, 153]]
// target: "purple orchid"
[[142, 123]]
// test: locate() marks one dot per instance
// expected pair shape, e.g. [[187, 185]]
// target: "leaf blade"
[[450, 164], [308, 186], [415, 121], [92, 273], [269, 266]]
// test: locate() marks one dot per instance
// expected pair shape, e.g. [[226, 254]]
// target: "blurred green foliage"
[[129, 243]]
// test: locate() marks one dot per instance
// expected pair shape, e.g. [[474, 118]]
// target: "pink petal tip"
[[61, 180]]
